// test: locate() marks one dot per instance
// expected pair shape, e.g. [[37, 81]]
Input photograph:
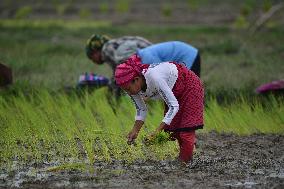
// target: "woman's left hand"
[[152, 135]]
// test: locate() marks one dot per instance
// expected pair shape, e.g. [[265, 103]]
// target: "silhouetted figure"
[[5, 75]]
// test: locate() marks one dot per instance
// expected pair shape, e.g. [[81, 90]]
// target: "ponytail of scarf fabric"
[[128, 70]]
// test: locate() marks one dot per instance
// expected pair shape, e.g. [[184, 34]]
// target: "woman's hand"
[[157, 131], [161, 127], [153, 135], [132, 135]]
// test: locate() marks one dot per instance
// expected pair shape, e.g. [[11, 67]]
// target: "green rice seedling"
[[105, 151], [266, 5], [73, 130], [167, 10], [88, 144], [246, 9], [67, 166], [85, 13], [23, 12], [192, 4], [61, 8], [158, 139], [241, 22], [167, 150], [122, 6], [160, 146], [243, 117], [104, 7], [132, 152]]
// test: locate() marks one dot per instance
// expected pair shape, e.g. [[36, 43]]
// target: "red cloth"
[[189, 92], [128, 70], [186, 142], [270, 87]]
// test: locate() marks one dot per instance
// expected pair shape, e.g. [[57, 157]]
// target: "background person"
[[176, 51], [103, 50], [6, 77]]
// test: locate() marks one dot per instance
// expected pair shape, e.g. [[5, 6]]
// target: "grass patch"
[[53, 48], [43, 127]]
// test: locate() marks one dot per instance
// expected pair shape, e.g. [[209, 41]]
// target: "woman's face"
[[134, 87], [97, 57]]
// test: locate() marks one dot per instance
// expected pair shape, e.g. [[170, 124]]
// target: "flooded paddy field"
[[220, 161]]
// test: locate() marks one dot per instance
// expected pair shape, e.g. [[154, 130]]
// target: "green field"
[[231, 58], [45, 127], [39, 122], [53, 135]]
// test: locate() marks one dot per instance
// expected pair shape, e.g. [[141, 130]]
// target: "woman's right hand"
[[132, 135]]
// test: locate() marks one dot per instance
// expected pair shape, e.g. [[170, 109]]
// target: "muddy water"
[[221, 161]]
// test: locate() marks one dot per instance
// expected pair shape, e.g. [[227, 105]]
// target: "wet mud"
[[220, 161]]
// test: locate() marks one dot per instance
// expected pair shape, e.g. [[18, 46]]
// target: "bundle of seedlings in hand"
[[160, 138]]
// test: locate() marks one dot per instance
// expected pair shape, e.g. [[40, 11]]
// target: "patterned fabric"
[[92, 80], [189, 92], [128, 70], [274, 86], [115, 51], [96, 42]]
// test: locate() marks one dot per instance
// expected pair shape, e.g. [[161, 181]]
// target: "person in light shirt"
[[180, 89]]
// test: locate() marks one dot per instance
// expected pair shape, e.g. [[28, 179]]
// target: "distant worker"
[[5, 75], [101, 49], [176, 51]]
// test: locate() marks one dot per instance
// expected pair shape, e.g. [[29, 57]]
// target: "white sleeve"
[[169, 98], [141, 108]]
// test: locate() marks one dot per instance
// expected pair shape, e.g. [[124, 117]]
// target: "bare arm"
[[132, 135], [161, 127], [157, 131]]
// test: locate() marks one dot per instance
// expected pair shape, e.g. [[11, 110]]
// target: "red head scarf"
[[128, 70]]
